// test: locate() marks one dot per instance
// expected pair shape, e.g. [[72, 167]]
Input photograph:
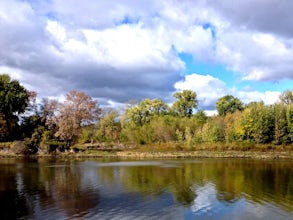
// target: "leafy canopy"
[[228, 104], [14, 98], [185, 104], [145, 110]]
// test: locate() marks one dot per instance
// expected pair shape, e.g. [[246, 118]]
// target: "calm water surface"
[[168, 189]]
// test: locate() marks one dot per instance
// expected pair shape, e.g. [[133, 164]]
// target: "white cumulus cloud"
[[129, 49], [209, 89]]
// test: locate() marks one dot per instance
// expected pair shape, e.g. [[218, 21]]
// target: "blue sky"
[[232, 79], [118, 50], [213, 69]]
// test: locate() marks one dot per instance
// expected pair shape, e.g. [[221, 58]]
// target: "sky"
[[121, 50]]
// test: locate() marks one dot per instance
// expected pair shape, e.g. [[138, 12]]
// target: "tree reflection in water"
[[33, 186], [72, 188]]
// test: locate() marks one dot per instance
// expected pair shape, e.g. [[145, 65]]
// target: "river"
[[145, 189]]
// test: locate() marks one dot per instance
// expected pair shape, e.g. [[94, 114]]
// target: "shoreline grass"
[[166, 151], [276, 155]]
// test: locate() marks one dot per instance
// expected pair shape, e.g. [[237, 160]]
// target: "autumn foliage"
[[52, 124]]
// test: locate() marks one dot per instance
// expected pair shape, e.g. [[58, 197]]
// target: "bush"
[[20, 147]]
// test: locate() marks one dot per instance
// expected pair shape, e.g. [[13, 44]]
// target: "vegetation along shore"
[[148, 128]]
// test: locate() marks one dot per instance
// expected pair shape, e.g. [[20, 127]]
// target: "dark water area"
[[153, 189]]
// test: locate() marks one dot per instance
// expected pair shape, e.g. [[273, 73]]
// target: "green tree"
[[137, 121], [109, 127], [289, 116], [31, 120], [257, 123], [196, 124], [144, 111], [280, 133], [213, 130], [228, 104], [232, 127], [200, 117], [14, 99], [185, 104], [163, 128]]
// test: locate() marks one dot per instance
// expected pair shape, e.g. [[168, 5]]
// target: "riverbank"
[[273, 155], [159, 151], [208, 154]]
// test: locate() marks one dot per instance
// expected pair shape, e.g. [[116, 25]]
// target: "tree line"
[[53, 124]]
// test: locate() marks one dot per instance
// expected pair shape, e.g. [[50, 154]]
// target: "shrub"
[[19, 147]]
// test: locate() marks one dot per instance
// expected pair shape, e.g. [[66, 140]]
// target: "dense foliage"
[[53, 125], [185, 104], [14, 99], [228, 104]]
